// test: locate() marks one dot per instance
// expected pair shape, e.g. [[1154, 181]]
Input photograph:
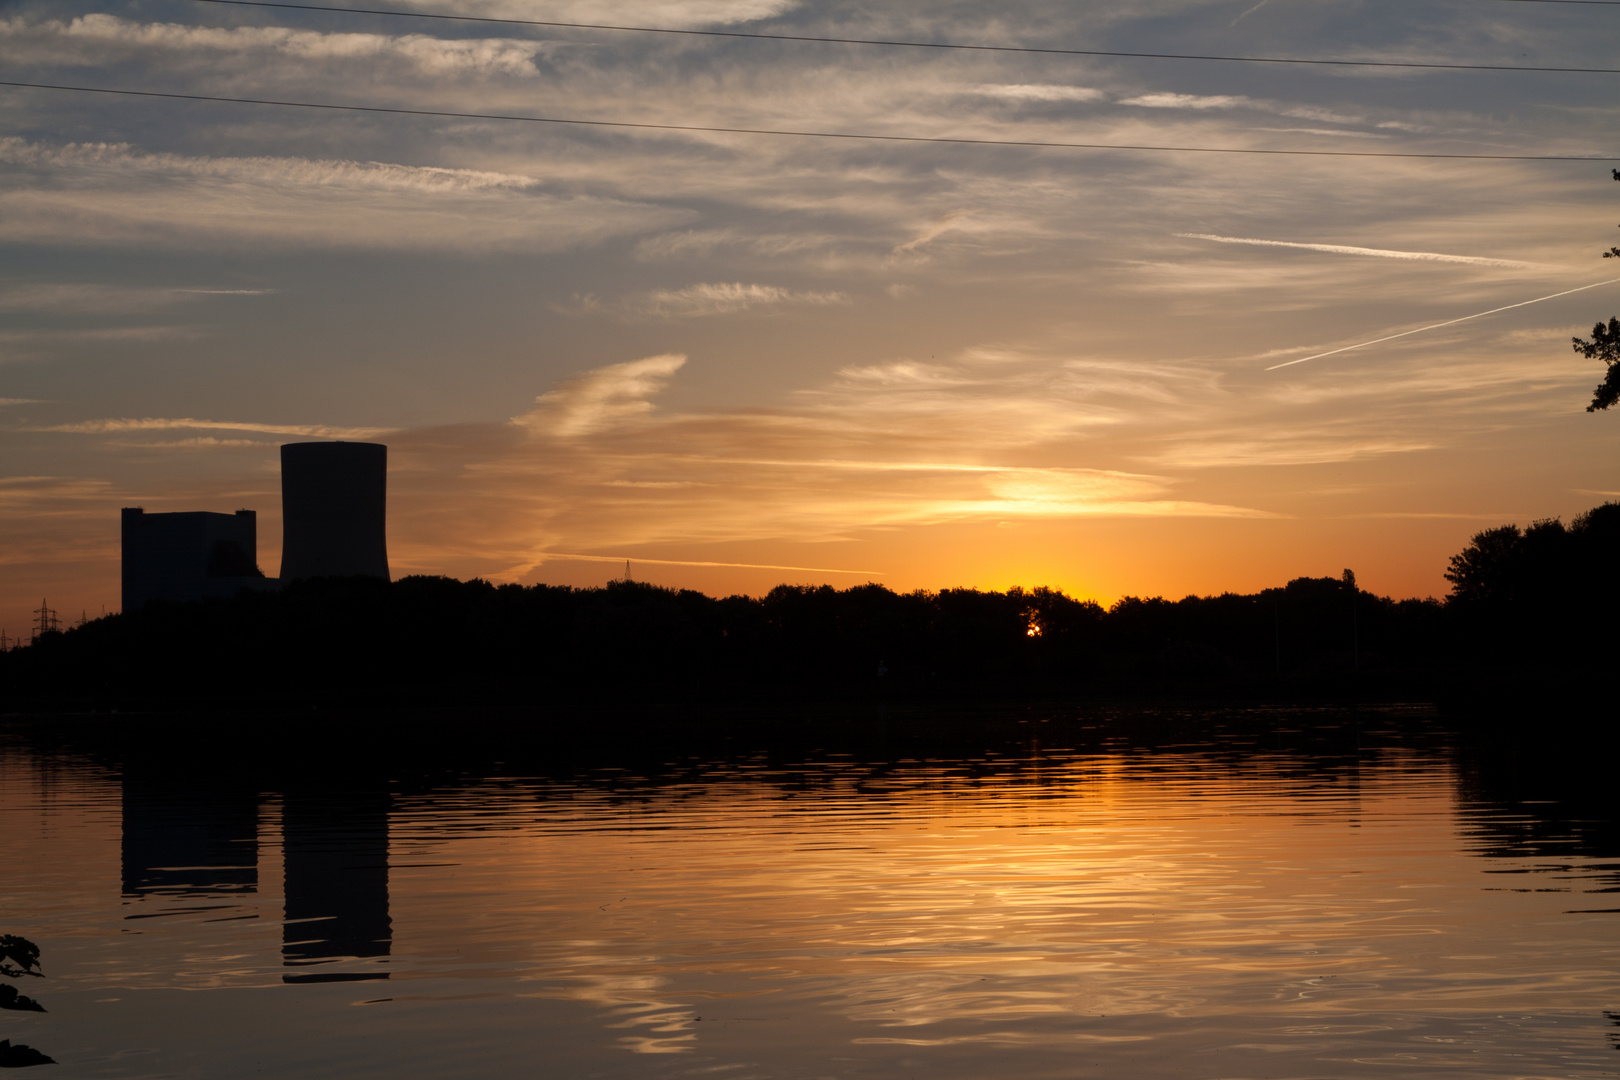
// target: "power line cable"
[[960, 141], [918, 44]]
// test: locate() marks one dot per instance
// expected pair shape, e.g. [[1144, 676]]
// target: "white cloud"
[[1310, 112], [601, 398], [372, 176], [1219, 102], [1039, 92], [723, 298], [1336, 133], [673, 14], [127, 424], [703, 243], [1190, 101], [104, 193], [202, 442], [931, 233], [429, 55], [1280, 448], [907, 373]]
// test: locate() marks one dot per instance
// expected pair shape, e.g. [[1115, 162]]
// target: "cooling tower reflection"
[[335, 846], [188, 836]]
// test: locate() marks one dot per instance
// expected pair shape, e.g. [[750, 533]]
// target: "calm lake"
[[1293, 896]]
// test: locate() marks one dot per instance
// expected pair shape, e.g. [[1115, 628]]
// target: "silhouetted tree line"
[[1542, 602], [1525, 603]]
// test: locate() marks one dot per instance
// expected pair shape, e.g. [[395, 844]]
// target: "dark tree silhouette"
[[18, 957], [10, 999], [1483, 570], [1605, 346]]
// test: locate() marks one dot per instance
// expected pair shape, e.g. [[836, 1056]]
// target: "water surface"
[[1370, 904]]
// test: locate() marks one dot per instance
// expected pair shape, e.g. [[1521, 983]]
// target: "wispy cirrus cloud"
[[1280, 448], [46, 341], [1336, 133], [73, 298], [1381, 253], [17, 492], [1166, 100], [712, 298], [601, 398], [931, 233], [1223, 102], [1039, 92], [335, 176], [87, 40], [704, 243], [109, 193], [877, 446], [680, 14], [132, 424], [201, 443]]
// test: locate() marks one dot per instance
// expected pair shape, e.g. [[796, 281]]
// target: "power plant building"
[[334, 524], [188, 556], [334, 520]]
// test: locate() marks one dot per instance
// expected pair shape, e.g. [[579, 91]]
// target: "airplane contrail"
[[1382, 253], [1438, 325]]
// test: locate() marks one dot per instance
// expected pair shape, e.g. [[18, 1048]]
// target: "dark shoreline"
[[1547, 780], [1529, 629], [648, 731]]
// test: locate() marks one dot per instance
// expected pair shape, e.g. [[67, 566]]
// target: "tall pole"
[[1349, 579]]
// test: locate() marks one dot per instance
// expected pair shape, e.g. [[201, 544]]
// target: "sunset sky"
[[744, 359]]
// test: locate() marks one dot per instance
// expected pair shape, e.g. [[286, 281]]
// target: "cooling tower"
[[333, 510]]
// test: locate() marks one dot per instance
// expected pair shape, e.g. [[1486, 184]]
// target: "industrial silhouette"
[[193, 834], [333, 510], [335, 846], [188, 836], [334, 524], [188, 556]]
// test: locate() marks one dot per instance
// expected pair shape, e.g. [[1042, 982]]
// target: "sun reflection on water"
[[1345, 914]]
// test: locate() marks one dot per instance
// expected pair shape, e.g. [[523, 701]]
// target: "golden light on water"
[[1151, 907]]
